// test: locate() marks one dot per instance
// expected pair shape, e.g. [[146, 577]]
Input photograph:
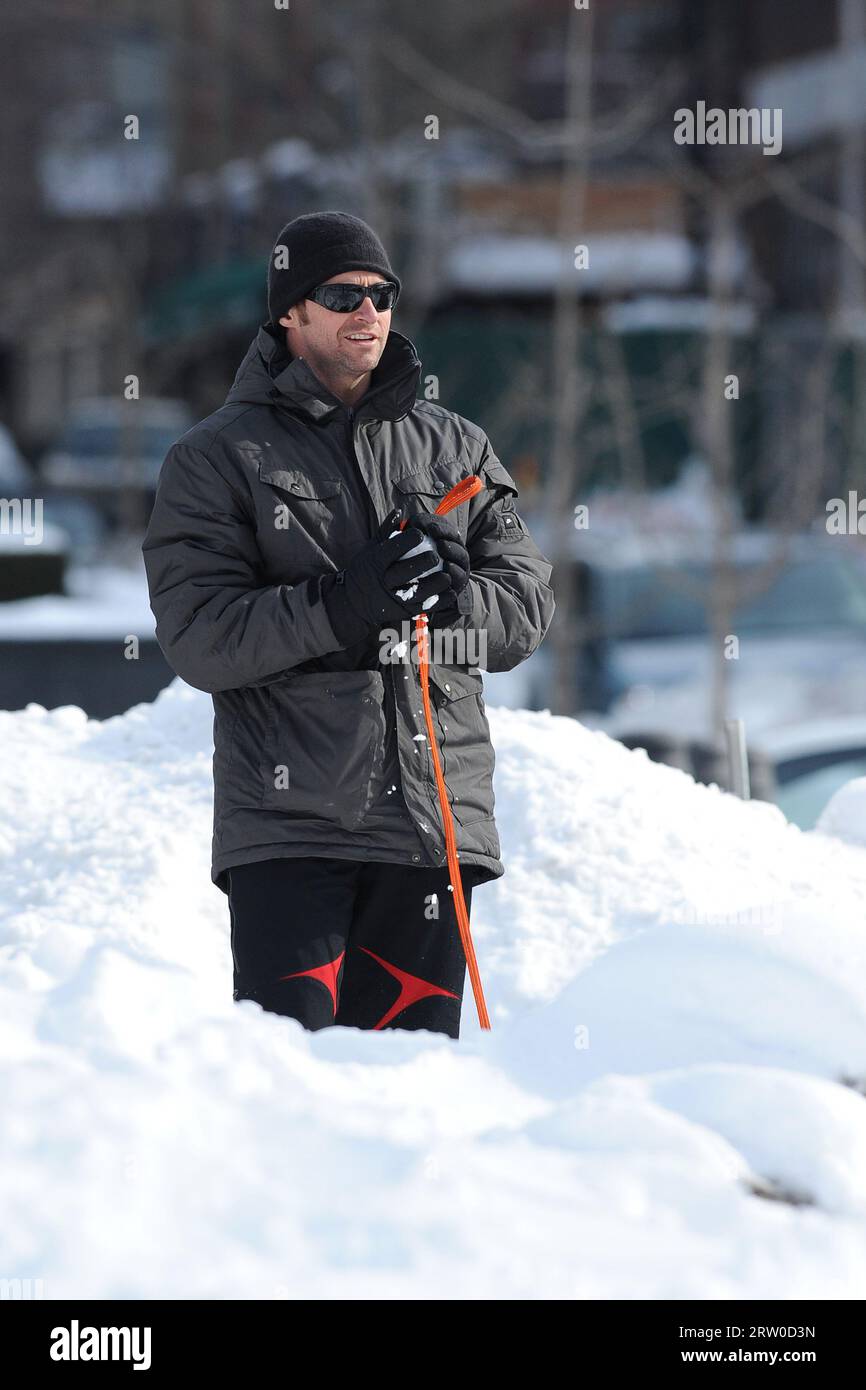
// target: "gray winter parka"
[[320, 750]]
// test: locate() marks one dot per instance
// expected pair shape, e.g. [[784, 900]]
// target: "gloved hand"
[[456, 600], [363, 596]]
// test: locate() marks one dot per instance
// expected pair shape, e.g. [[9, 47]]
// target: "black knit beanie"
[[315, 246]]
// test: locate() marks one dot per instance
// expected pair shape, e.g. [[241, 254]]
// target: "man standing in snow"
[[275, 578]]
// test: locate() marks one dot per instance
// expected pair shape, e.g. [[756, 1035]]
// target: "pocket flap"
[[299, 484], [453, 682], [424, 483]]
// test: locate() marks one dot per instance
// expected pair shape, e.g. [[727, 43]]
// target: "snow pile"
[[677, 983]]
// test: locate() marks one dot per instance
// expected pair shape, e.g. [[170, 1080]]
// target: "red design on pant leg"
[[412, 988], [325, 974]]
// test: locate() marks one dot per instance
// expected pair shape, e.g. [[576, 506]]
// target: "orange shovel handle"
[[461, 492]]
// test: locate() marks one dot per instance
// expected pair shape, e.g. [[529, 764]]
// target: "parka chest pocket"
[[423, 490], [299, 486], [467, 753], [306, 514]]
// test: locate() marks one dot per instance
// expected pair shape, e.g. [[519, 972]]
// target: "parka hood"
[[270, 375]]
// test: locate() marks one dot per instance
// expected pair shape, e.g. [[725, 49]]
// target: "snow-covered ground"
[[677, 983]]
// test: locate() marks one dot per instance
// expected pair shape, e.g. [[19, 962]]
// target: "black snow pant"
[[336, 941]]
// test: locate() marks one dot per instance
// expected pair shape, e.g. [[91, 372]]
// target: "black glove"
[[455, 601], [363, 597]]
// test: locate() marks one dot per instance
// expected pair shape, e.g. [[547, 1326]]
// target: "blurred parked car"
[[30, 566], [812, 761], [15, 473], [85, 524], [112, 450], [801, 635]]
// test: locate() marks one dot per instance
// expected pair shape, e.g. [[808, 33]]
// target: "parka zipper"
[[371, 510], [423, 829]]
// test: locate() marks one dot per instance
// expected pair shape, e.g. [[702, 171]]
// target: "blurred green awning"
[[223, 296]]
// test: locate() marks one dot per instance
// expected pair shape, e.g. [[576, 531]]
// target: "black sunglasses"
[[345, 298]]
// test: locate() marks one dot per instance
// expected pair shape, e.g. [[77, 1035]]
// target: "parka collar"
[[270, 373]]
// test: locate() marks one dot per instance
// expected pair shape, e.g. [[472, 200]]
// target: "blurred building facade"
[[147, 255]]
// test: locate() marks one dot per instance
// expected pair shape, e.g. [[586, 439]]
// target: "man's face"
[[346, 345]]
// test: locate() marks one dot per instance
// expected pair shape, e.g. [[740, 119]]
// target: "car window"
[[806, 595]]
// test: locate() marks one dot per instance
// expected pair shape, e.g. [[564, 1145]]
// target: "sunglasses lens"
[[345, 299], [342, 299], [384, 298]]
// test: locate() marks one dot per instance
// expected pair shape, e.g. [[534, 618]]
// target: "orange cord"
[[461, 492]]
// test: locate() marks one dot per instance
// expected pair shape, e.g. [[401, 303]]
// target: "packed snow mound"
[[669, 1105]]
